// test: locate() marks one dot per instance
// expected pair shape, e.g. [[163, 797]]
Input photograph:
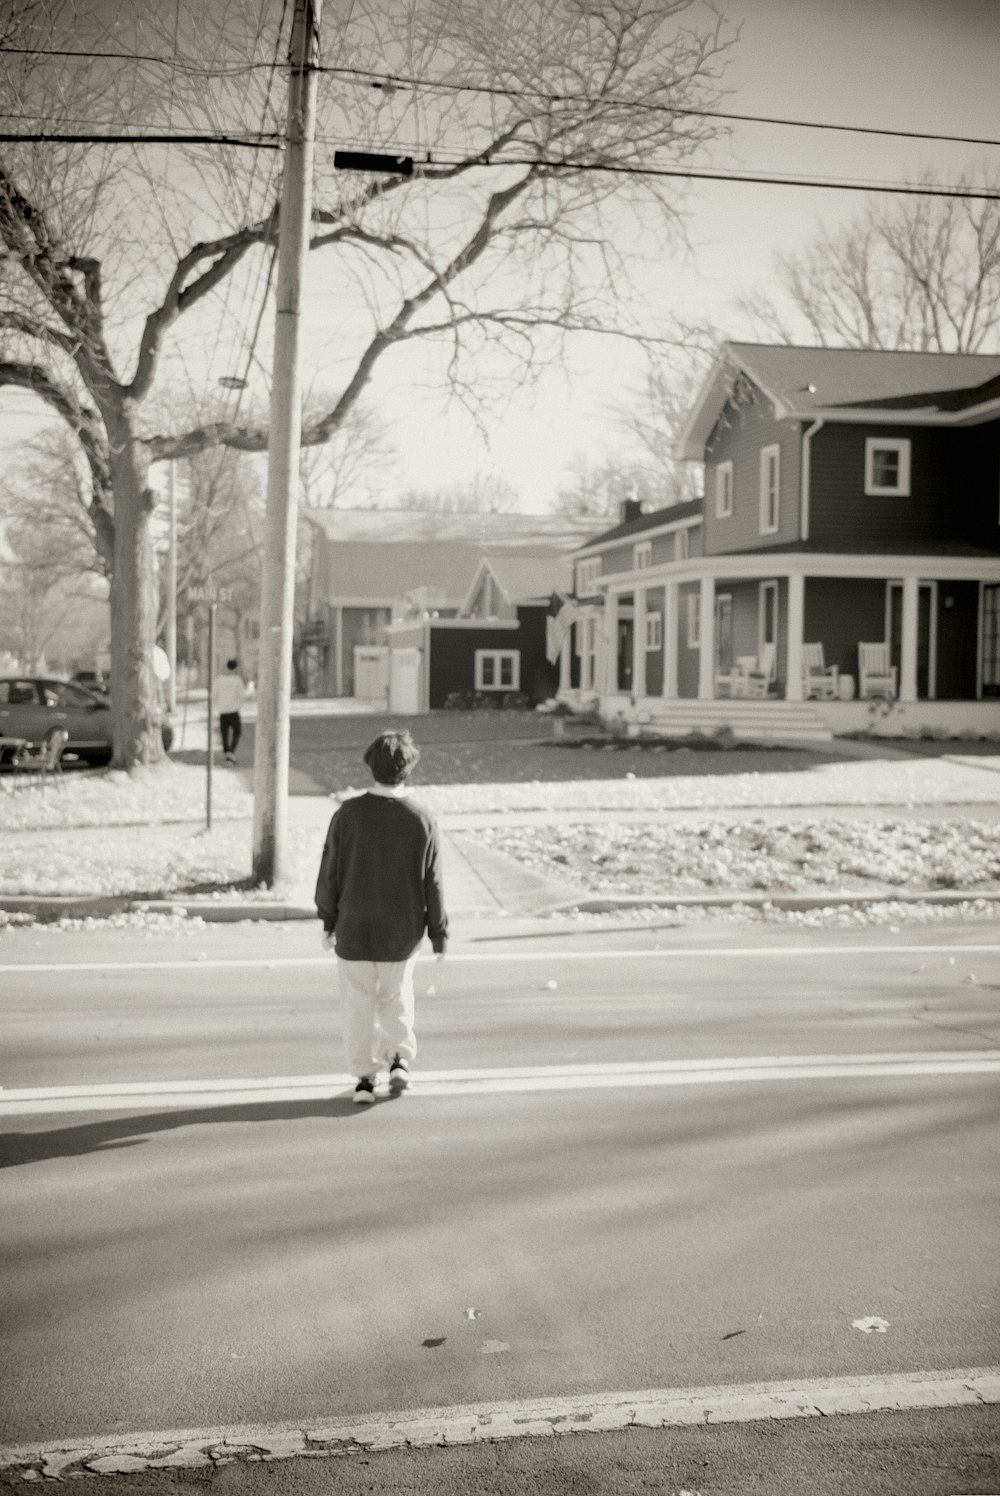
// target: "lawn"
[[519, 748]]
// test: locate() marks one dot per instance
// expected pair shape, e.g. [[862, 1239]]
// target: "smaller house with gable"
[[369, 567], [494, 645], [846, 549]]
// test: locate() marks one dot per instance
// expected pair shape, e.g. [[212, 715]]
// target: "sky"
[[922, 65]]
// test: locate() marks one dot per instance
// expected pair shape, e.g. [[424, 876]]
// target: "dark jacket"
[[379, 885]]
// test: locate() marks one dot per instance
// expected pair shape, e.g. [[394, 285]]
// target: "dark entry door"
[[991, 640], [625, 627], [923, 635]]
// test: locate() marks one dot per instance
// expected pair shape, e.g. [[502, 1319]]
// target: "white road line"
[[725, 953], [485, 1422], [133, 1095]]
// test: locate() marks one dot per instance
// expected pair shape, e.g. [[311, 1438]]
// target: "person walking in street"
[[229, 690], [379, 889]]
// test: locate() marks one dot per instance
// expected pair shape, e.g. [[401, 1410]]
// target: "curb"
[[48, 910], [608, 904]]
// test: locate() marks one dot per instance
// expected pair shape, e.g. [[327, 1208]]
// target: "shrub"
[[471, 701]]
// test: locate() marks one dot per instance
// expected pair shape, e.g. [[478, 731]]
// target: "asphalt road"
[[654, 1159]]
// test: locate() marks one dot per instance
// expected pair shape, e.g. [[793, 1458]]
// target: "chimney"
[[631, 509]]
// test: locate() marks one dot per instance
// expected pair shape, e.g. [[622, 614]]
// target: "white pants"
[[377, 1004]]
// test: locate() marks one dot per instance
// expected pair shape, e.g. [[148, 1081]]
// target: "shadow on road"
[[127, 1132]]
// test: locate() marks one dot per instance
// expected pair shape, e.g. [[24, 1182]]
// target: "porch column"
[[639, 642], [338, 657], [670, 614], [796, 623], [908, 643], [609, 645], [706, 650], [565, 652]]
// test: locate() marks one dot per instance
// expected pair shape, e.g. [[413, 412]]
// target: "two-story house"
[[847, 545]]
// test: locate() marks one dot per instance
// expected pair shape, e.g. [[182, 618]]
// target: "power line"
[[832, 184], [275, 143], [267, 142], [394, 80], [402, 80], [229, 70]]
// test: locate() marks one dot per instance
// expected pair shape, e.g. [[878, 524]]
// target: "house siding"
[[747, 425], [453, 657], [687, 659], [620, 557], [982, 481], [954, 490]]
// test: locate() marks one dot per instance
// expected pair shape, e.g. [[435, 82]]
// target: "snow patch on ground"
[[920, 782], [757, 855], [163, 792]]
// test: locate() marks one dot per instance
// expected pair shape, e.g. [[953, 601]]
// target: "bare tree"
[[47, 485], [599, 489], [483, 493], [43, 579], [919, 273], [525, 133], [355, 466]]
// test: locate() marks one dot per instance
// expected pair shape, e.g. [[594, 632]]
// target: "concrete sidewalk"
[[483, 883]]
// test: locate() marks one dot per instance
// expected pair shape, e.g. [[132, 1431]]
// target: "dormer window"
[[724, 490], [887, 466], [587, 573], [642, 555]]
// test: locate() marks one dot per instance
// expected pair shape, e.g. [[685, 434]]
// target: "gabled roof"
[[656, 519], [484, 531], [848, 383], [524, 576], [382, 570], [382, 554]]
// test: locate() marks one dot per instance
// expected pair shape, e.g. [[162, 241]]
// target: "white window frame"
[[770, 489], [587, 573], [724, 490], [654, 630], [642, 555], [497, 656], [682, 543], [901, 445], [693, 621]]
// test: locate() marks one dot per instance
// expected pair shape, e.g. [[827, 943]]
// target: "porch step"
[[749, 721]]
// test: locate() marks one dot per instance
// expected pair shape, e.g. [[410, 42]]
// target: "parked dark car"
[[30, 707]]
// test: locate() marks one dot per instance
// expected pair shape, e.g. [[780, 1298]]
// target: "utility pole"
[[274, 686], [172, 591]]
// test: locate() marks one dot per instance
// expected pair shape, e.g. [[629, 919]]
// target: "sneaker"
[[230, 758], [364, 1091], [399, 1077]]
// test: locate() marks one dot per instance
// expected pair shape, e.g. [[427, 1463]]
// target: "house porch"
[[665, 643]]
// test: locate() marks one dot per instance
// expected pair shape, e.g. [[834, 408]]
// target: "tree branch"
[[225, 254]]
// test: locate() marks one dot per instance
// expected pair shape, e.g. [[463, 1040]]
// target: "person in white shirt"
[[229, 698]]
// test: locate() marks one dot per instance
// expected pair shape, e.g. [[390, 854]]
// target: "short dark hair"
[[231, 664], [392, 757]]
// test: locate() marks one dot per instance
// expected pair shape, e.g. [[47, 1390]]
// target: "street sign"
[[397, 166], [206, 593]]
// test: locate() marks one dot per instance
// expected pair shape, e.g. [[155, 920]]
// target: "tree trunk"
[[135, 714]]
